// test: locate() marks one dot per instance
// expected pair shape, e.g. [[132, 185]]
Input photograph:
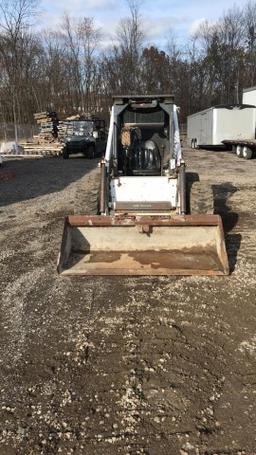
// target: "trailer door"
[[204, 127], [235, 123]]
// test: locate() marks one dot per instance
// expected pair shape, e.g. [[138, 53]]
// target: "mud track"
[[106, 366]]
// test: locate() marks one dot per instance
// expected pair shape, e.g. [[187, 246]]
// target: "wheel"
[[247, 153], [192, 143], [239, 151], [91, 152], [200, 198], [65, 153], [195, 144]]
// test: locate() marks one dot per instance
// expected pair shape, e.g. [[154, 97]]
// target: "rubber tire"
[[239, 151], [65, 154], [195, 144], [201, 199], [91, 152], [247, 153], [192, 143]]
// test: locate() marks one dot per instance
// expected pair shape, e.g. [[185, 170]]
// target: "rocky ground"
[[106, 366]]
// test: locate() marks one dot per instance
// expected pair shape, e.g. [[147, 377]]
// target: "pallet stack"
[[51, 137], [48, 123], [46, 142]]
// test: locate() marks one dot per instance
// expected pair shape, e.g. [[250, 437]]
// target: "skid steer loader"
[[143, 225]]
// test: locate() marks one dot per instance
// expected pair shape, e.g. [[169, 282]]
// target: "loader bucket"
[[143, 245]]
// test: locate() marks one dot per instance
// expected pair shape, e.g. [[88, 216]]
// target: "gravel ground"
[[106, 366]]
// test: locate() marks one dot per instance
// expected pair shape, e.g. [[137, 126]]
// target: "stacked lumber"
[[46, 142], [44, 150], [48, 123], [51, 137]]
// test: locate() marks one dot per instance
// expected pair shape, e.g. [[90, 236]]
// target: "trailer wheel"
[[192, 143], [201, 199], [239, 151], [195, 146], [247, 153]]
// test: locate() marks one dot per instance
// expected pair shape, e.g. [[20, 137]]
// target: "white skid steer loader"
[[143, 225]]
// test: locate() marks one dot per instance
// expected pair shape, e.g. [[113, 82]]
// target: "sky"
[[160, 17]]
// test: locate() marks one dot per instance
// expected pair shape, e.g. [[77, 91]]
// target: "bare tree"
[[90, 37], [130, 38], [66, 70], [82, 40], [15, 17], [250, 41]]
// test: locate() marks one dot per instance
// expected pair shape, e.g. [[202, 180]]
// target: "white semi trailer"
[[249, 95], [219, 126], [246, 147]]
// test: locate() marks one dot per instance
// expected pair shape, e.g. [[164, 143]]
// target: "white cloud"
[[83, 5], [159, 18], [95, 4], [157, 26], [196, 24]]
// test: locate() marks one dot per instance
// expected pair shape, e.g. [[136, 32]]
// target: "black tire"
[[65, 153], [87, 196], [91, 152], [195, 144], [192, 143], [200, 198], [247, 153], [239, 151]]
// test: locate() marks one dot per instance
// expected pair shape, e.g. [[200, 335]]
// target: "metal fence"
[[25, 131]]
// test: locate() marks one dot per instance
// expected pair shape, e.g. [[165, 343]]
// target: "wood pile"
[[51, 137], [46, 142], [45, 150], [48, 123]]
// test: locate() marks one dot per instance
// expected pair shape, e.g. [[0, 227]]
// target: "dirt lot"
[[100, 366]]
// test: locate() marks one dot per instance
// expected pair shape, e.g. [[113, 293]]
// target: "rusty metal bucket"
[[143, 245]]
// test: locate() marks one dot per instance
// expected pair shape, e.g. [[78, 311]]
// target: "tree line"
[[68, 70]]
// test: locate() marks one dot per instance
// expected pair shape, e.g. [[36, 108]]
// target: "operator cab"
[[143, 142]]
